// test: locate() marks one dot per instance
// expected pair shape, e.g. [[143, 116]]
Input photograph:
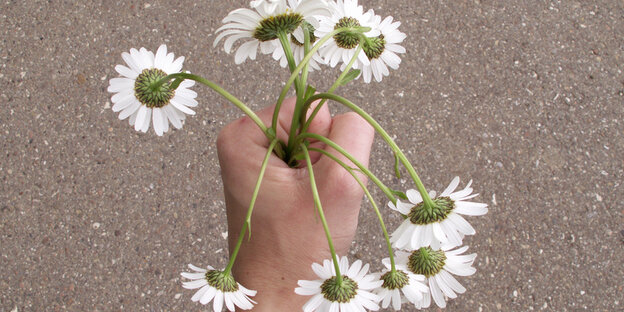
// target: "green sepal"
[[352, 74]]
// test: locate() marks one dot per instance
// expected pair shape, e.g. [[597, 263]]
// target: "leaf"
[[310, 92], [397, 171], [350, 76], [399, 194]]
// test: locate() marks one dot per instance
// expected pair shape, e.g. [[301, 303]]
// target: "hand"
[[286, 233]]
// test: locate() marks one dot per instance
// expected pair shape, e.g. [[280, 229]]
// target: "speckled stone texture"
[[524, 97]]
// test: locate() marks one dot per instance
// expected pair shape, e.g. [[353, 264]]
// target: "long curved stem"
[[319, 207], [247, 223], [370, 198], [362, 168], [410, 169], [221, 91]]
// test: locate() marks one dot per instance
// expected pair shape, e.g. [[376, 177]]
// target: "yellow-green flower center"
[[394, 280], [271, 26], [221, 281], [339, 292], [347, 39], [146, 94], [426, 261], [420, 215], [374, 47]]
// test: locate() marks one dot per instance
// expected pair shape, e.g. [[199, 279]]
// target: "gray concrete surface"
[[524, 97]]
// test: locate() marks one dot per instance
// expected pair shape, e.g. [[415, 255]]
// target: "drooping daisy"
[[342, 46], [382, 50], [354, 294], [263, 27], [402, 281], [134, 97], [219, 288], [440, 225], [438, 267]]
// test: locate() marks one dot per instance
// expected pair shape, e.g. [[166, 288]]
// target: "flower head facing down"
[[401, 281], [439, 225], [352, 293], [382, 50], [261, 27], [438, 268], [218, 287], [137, 98], [343, 45]]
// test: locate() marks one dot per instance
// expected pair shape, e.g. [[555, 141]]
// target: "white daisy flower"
[[134, 98], [267, 5], [403, 281], [442, 225], [262, 27], [438, 267], [219, 288], [382, 50], [342, 46], [354, 294]]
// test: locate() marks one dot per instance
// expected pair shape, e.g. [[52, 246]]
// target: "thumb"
[[354, 135]]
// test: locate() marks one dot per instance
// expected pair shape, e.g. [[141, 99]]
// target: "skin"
[[286, 233]]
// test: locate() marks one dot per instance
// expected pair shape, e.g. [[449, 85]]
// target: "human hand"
[[286, 233]]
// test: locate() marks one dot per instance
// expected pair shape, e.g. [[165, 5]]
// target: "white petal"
[[127, 72], [208, 296], [451, 187], [140, 118], [217, 304], [470, 208], [413, 196], [158, 121], [200, 293]]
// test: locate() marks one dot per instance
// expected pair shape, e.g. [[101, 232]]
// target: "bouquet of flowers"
[[424, 253]]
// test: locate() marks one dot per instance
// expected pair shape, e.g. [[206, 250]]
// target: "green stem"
[[225, 94], [247, 223], [283, 38], [362, 168], [305, 60], [332, 89], [317, 203], [419, 185], [370, 198]]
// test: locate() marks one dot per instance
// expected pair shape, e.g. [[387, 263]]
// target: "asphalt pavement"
[[526, 98]]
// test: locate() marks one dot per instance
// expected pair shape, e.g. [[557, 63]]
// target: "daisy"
[[134, 98], [342, 46], [382, 50], [354, 294], [438, 267], [442, 225], [262, 26], [218, 287], [402, 281]]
